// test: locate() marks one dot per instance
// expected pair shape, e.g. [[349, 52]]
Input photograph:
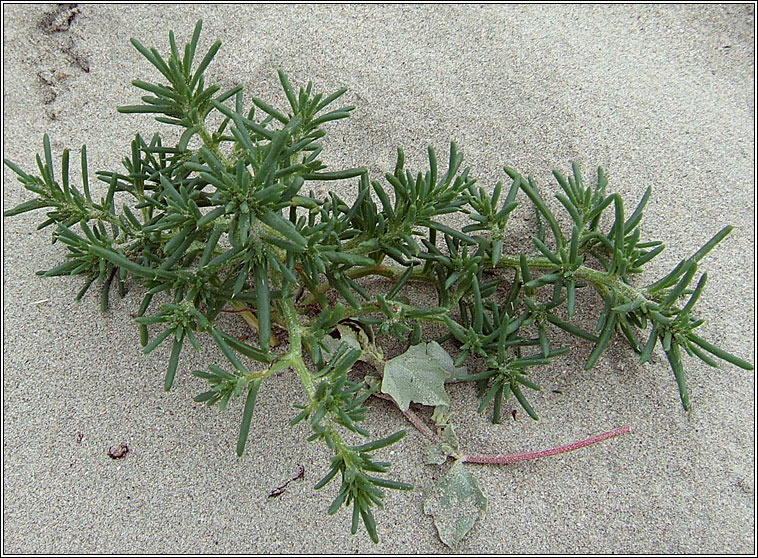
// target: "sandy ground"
[[658, 95]]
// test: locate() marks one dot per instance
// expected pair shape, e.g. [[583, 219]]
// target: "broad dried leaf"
[[437, 454], [434, 454], [355, 339], [443, 358], [347, 336], [456, 503], [450, 438], [418, 375]]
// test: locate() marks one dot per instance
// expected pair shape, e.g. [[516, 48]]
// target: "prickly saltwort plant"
[[223, 221]]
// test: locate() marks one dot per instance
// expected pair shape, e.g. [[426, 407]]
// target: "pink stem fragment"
[[515, 457], [412, 417]]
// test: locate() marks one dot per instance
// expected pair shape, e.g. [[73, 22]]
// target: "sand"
[[657, 95]]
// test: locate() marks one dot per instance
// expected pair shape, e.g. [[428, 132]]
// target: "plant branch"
[[516, 457], [211, 222], [416, 421], [412, 417], [379, 270], [296, 348]]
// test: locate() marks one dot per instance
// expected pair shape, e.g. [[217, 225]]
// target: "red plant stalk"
[[513, 457], [410, 415], [516, 457]]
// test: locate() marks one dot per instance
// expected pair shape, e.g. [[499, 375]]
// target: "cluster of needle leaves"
[[224, 219]]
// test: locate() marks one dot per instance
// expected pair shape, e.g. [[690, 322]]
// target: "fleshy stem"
[[380, 270], [206, 137], [296, 347], [600, 279], [516, 457], [295, 355]]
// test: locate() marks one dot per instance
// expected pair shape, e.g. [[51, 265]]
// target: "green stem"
[[287, 308], [295, 355], [597, 278], [380, 270], [207, 139]]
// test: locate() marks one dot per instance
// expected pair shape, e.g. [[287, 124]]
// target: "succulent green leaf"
[[247, 416]]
